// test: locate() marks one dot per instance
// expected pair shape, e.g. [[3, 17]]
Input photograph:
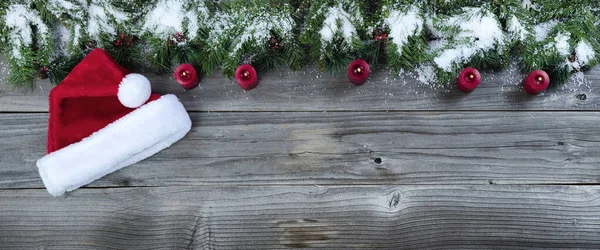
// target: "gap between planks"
[[310, 185], [432, 111]]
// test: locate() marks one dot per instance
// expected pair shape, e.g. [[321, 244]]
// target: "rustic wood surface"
[[309, 90], [276, 217], [308, 161], [344, 148]]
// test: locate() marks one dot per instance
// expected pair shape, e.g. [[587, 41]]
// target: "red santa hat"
[[103, 119]]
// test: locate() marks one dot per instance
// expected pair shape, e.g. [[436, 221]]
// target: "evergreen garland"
[[569, 41], [257, 32], [331, 32], [174, 31], [398, 31], [47, 38]]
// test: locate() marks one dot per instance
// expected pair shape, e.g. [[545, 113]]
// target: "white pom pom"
[[134, 90]]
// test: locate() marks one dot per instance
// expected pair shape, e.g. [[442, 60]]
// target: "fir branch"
[[269, 60], [331, 32], [28, 43], [466, 44], [125, 49], [295, 55], [372, 51], [89, 22], [215, 55], [23, 71], [60, 67], [404, 33], [175, 31], [570, 45], [243, 32]]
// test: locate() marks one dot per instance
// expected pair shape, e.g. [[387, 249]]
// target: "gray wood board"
[[311, 90], [328, 217], [259, 148]]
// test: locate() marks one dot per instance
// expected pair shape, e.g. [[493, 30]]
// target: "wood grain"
[[308, 161], [311, 90], [277, 148], [335, 217]]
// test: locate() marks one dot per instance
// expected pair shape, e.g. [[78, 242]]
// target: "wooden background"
[[306, 160]]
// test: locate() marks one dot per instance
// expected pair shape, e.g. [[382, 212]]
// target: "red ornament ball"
[[186, 76], [246, 76], [358, 71], [468, 80], [536, 82]]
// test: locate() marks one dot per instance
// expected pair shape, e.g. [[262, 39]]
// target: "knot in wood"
[[394, 200]]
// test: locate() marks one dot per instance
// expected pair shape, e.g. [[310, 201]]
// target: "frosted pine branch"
[[19, 19]]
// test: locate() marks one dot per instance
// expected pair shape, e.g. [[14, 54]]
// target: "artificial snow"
[[543, 29], [76, 32], [433, 31], [516, 30], [219, 28], [165, 19], [258, 29], [193, 26], [248, 26], [168, 17], [330, 25], [435, 45], [578, 79], [90, 18], [57, 7], [404, 25], [99, 15], [584, 53], [4, 71], [61, 35], [19, 19], [481, 30], [426, 74], [561, 43]]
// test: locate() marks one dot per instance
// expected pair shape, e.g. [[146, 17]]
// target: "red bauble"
[[186, 76], [246, 76], [536, 82], [468, 80], [358, 71]]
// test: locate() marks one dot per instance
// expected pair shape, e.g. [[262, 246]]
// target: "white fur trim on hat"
[[134, 90], [136, 136]]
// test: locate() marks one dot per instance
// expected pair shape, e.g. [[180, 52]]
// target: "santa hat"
[[103, 119]]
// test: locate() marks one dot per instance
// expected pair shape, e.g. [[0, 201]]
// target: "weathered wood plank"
[[337, 217], [310, 90], [344, 148]]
